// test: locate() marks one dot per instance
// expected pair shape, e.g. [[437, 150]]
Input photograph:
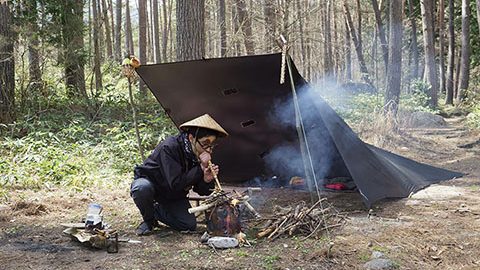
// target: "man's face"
[[204, 144]]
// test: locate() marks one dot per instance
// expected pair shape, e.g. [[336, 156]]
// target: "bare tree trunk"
[[302, 36], [156, 30], [106, 24], [246, 26], [413, 42], [327, 58], [236, 29], [348, 54], [465, 59], [129, 46], [428, 40], [270, 25], [142, 38], [451, 53], [96, 48], [148, 27], [73, 46], [441, 40], [359, 28], [381, 32], [361, 59], [165, 31], [457, 74], [170, 31], [223, 28], [35, 73], [118, 30], [394, 72], [286, 15], [112, 25], [7, 65], [478, 13], [190, 29]]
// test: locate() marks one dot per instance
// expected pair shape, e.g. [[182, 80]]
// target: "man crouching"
[[179, 163]]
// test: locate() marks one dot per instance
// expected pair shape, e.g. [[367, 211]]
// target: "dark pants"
[[174, 214]]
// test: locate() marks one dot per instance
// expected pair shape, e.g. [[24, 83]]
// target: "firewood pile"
[[300, 220]]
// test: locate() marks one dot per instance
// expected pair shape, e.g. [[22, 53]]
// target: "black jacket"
[[172, 171]]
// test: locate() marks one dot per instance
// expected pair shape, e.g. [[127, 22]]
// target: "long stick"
[[134, 113], [210, 165]]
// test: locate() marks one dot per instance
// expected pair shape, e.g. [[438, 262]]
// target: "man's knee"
[[142, 187]]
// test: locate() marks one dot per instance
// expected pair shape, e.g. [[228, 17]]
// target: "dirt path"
[[437, 228]]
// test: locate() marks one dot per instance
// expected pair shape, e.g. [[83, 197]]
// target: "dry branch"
[[300, 219]]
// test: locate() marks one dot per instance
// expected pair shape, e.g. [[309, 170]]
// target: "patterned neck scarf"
[[187, 146]]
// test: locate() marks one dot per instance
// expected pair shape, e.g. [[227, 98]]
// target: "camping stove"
[[223, 220]]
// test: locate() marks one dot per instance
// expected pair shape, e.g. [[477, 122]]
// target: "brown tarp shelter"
[[245, 96]]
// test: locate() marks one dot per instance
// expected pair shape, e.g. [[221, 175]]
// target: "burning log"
[[300, 220]]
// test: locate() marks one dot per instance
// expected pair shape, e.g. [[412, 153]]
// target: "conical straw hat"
[[204, 121]]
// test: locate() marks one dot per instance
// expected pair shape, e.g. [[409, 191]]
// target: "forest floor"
[[437, 228]]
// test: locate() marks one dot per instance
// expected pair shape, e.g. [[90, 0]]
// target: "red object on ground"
[[336, 186]]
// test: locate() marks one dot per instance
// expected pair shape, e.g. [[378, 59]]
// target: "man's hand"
[[204, 159], [208, 175]]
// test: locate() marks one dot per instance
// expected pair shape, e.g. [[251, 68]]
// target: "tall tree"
[[451, 54], [465, 58], [166, 30], [108, 32], [73, 47], [223, 27], [270, 24], [142, 37], [478, 13], [357, 44], [34, 71], [246, 26], [7, 64], [328, 55], [190, 29], [441, 43], [348, 54], [156, 30], [413, 42], [118, 30], [381, 31], [96, 47], [236, 29], [300, 30], [129, 46], [394, 71], [429, 47]]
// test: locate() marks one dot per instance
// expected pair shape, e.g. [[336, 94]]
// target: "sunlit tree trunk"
[[441, 41], [118, 30], [394, 72], [429, 47], [451, 54], [465, 58], [129, 46], [156, 30], [190, 29], [96, 47], [142, 38]]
